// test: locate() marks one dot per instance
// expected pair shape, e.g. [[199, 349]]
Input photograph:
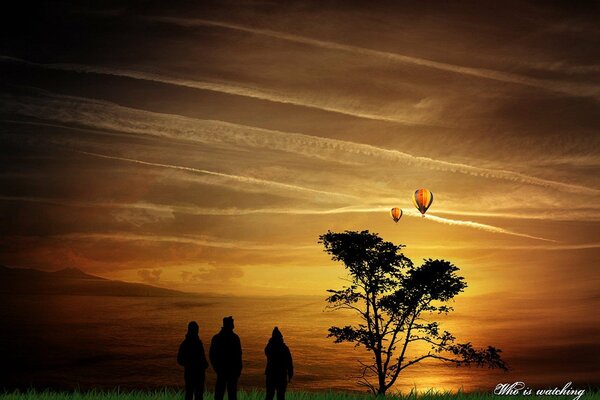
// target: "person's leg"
[[281, 386], [270, 388], [232, 388], [220, 387], [199, 388], [189, 387]]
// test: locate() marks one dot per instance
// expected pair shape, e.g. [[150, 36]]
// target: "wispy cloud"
[[572, 89], [483, 227], [108, 116], [560, 66], [237, 178], [448, 221], [150, 275], [192, 210], [540, 247], [228, 88], [205, 241], [583, 214]]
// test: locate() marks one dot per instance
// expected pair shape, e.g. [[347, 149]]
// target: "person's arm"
[[239, 351], [290, 365], [203, 360], [181, 355], [213, 354]]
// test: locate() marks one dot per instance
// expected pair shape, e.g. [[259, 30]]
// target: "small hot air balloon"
[[422, 200], [396, 214]]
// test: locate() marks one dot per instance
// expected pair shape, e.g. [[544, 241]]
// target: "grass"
[[169, 394]]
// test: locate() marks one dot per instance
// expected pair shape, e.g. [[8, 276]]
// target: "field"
[[258, 395]]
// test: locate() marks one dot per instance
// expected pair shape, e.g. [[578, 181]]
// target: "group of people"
[[225, 356]]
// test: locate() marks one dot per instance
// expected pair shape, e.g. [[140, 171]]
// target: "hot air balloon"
[[422, 200], [396, 214]]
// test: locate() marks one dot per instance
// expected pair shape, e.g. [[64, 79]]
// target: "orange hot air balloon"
[[396, 214], [422, 200]]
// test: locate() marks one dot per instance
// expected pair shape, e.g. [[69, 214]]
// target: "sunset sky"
[[206, 147]]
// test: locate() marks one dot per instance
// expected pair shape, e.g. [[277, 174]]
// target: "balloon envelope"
[[396, 214], [422, 199]]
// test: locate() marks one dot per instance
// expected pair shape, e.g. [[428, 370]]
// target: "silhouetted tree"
[[396, 302]]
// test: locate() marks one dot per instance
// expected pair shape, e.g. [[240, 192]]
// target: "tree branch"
[[398, 369], [416, 360]]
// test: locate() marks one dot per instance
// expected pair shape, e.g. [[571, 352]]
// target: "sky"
[[205, 147]]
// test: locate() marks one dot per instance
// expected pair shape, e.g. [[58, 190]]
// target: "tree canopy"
[[397, 302]]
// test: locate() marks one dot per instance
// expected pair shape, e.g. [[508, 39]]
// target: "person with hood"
[[193, 359], [226, 358], [280, 368]]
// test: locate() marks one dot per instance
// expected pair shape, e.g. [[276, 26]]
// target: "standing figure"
[[226, 358], [280, 368], [192, 357]]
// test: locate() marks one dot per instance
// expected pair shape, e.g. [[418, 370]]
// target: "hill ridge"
[[74, 281]]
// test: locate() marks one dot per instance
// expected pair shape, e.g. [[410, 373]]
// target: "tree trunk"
[[380, 373]]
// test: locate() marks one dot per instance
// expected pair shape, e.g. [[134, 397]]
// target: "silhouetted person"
[[226, 359], [192, 357], [280, 368]]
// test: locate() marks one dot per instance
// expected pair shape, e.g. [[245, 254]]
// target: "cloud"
[[166, 211], [197, 240], [192, 210], [561, 66], [150, 275], [216, 275], [186, 276], [237, 178], [227, 88], [571, 89], [139, 217], [535, 247], [484, 227], [108, 116], [467, 224], [587, 214]]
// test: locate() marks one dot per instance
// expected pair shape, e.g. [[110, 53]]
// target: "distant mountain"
[[74, 273], [73, 281]]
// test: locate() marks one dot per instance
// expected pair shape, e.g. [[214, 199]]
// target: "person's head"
[[276, 335], [228, 323], [193, 328]]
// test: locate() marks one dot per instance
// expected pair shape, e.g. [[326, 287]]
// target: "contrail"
[[448, 221], [288, 211], [544, 247], [238, 178], [562, 87], [190, 210], [583, 215], [484, 227], [104, 115], [204, 241], [251, 92]]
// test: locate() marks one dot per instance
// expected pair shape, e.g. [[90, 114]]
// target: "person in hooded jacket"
[[193, 359], [280, 368]]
